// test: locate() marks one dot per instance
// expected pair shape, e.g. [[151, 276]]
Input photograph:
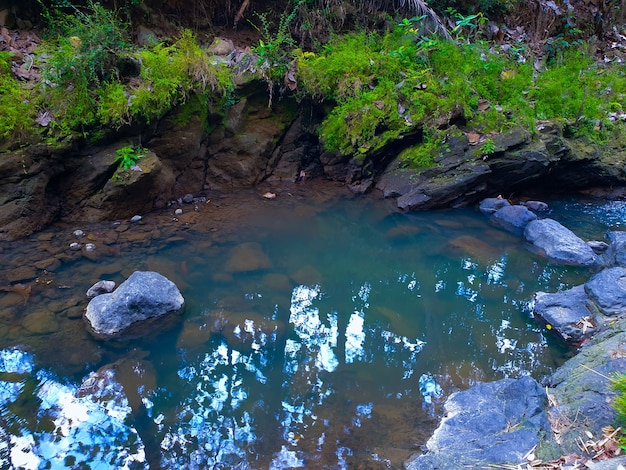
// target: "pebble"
[[178, 212], [135, 218], [74, 246], [90, 247], [79, 233], [188, 198]]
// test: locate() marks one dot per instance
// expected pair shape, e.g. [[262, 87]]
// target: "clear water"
[[319, 332]]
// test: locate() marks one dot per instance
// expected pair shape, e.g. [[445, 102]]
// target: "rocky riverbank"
[[249, 143]]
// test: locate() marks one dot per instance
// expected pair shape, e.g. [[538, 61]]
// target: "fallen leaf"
[[473, 137], [483, 105]]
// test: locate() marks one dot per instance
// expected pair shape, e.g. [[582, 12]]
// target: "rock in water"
[[99, 288], [490, 423], [560, 244], [144, 297]]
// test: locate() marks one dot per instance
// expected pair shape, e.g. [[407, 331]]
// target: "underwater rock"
[[247, 257], [145, 296]]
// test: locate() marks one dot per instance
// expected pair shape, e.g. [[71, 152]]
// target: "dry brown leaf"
[[473, 137], [483, 105]]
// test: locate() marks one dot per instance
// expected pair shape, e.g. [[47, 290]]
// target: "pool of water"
[[321, 330]]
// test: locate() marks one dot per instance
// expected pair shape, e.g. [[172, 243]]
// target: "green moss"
[[386, 84], [17, 114]]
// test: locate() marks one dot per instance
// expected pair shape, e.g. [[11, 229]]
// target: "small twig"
[[596, 372]]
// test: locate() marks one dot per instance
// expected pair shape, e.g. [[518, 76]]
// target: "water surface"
[[322, 330]]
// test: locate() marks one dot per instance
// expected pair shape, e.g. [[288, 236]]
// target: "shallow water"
[[322, 330]]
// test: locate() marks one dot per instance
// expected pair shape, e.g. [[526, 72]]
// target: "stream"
[[321, 330]]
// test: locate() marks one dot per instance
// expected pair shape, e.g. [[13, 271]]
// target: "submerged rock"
[[144, 297], [551, 239], [488, 424]]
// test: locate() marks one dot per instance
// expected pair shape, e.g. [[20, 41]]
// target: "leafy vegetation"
[[386, 84], [128, 156], [619, 405], [17, 114], [91, 77]]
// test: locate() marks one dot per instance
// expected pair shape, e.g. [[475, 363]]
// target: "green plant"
[[274, 47], [16, 112], [488, 147], [128, 156], [466, 27]]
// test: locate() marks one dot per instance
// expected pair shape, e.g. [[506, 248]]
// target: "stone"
[[178, 212], [247, 257], [513, 218], [536, 206], [549, 238], [488, 424], [146, 37], [40, 323], [99, 288], [78, 233], [582, 387], [607, 289], [566, 313], [598, 246], [143, 298], [617, 248], [135, 218], [188, 198], [74, 246], [491, 204], [221, 46]]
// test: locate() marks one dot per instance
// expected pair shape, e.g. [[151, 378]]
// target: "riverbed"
[[322, 329]]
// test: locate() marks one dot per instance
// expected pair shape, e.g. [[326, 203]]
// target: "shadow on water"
[[321, 330]]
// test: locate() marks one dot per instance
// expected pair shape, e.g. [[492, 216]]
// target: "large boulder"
[[551, 239], [607, 289], [488, 424], [140, 300], [567, 313]]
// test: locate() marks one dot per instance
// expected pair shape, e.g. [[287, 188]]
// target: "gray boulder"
[[607, 289], [582, 388], [488, 424], [143, 298], [536, 206], [617, 248], [513, 218], [491, 204], [566, 313], [551, 239]]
